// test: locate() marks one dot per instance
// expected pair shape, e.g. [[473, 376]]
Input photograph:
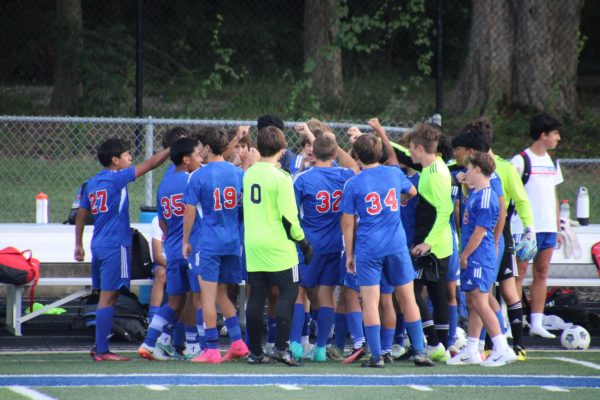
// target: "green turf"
[[325, 393], [77, 363]]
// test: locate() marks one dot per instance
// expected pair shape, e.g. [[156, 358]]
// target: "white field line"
[[420, 388], [554, 389], [290, 387], [157, 387], [30, 393], [579, 362]]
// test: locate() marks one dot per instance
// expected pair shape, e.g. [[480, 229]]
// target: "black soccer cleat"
[[374, 363], [356, 354], [388, 358], [254, 359], [421, 360], [286, 357]]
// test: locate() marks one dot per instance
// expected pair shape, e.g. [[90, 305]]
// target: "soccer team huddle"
[[381, 244]]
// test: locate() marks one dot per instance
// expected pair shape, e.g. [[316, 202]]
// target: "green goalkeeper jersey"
[[270, 219], [513, 189]]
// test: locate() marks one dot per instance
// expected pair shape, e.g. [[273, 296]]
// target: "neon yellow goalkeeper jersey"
[[270, 219]]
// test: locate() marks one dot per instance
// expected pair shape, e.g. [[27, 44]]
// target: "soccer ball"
[[460, 339], [575, 338]]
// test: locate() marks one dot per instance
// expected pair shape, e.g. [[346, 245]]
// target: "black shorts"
[[430, 268], [508, 263], [279, 278]]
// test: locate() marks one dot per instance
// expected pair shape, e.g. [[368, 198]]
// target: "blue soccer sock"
[[163, 319], [373, 335], [324, 323], [399, 333], [233, 328], [104, 318], [200, 329], [387, 338], [271, 330], [452, 324], [152, 310], [179, 335], [212, 338], [501, 321], [415, 333], [191, 334], [314, 317], [306, 326], [482, 334], [297, 323], [355, 326], [341, 330]]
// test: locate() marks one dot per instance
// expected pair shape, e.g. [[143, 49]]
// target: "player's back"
[[171, 208], [107, 199], [408, 212], [266, 241], [318, 195], [216, 189], [375, 193]]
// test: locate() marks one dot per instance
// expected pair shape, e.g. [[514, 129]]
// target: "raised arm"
[[152, 162], [385, 141]]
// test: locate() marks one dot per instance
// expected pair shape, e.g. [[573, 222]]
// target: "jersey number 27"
[[98, 201]]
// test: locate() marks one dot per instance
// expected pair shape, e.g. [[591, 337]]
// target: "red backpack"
[[18, 269]]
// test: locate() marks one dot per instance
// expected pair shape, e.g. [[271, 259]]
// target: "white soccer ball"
[[575, 338], [460, 339]]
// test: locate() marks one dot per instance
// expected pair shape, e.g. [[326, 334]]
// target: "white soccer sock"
[[536, 320], [473, 345], [500, 343]]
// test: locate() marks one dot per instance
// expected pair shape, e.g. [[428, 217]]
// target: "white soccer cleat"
[[465, 358], [540, 331], [500, 358]]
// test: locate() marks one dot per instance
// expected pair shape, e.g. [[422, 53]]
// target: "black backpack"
[[89, 220], [141, 259], [130, 318]]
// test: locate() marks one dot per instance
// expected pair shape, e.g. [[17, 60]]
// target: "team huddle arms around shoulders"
[[394, 226]]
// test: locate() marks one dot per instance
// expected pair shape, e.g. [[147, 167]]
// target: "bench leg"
[[57, 303], [13, 309]]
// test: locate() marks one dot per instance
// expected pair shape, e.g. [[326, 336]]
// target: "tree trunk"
[[68, 41], [485, 76], [545, 54], [321, 25]]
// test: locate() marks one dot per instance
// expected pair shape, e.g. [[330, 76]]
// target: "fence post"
[[148, 191]]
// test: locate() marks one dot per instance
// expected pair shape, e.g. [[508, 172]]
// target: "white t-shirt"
[[541, 190], [157, 233]]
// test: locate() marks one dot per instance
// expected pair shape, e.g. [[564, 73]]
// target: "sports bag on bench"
[[19, 268]]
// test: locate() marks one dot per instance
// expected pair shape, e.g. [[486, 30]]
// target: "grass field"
[[545, 375]]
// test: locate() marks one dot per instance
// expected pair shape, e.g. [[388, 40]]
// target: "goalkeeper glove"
[[306, 249], [526, 248]]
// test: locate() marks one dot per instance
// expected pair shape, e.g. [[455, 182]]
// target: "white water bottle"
[[41, 208], [565, 210], [583, 206]]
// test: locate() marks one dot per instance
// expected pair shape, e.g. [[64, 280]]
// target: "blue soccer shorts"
[[181, 278], [322, 270], [219, 269], [394, 270], [477, 276], [111, 267], [347, 279]]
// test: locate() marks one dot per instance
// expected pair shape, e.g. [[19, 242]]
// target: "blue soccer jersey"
[[318, 196], [482, 210], [216, 191], [374, 196], [170, 208], [408, 213], [106, 197]]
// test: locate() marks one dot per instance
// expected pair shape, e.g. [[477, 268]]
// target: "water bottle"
[[41, 208], [565, 210], [583, 206]]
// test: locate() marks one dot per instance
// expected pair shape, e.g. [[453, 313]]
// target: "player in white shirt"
[[540, 175]]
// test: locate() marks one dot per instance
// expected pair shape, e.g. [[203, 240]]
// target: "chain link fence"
[[55, 155]]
